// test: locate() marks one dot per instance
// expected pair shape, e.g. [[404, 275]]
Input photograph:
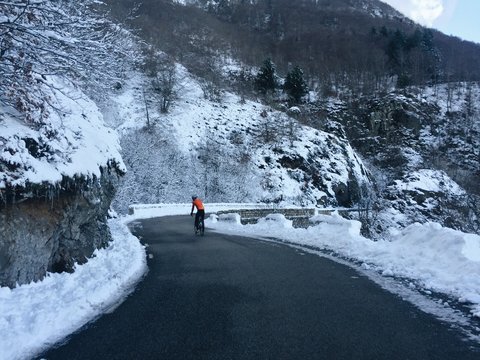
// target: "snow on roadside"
[[35, 316], [433, 257]]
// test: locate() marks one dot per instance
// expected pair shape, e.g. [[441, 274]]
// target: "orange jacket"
[[198, 204]]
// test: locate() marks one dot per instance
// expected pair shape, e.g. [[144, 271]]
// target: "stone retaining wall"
[[299, 216]]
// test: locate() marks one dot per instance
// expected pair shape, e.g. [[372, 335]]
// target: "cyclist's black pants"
[[199, 215]]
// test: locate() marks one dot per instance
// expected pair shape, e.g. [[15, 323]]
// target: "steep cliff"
[[41, 234], [57, 179]]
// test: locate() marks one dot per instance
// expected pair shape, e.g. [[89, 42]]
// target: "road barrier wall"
[[249, 213]]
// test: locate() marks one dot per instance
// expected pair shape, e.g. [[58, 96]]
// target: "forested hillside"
[[359, 45]]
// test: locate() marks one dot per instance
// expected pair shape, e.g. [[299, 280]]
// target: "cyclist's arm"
[[191, 212]]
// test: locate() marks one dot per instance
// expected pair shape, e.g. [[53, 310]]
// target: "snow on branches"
[[44, 38]]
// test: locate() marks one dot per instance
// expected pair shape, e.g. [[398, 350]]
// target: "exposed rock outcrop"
[[430, 134], [52, 233]]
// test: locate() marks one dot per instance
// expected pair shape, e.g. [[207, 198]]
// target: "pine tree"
[[295, 86], [265, 79]]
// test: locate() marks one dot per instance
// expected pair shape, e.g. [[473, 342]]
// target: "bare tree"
[[164, 84], [147, 114], [369, 209], [290, 128], [211, 82], [42, 39]]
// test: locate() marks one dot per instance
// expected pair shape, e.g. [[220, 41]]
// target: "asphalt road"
[[224, 297]]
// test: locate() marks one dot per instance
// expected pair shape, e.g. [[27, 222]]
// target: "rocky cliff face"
[[52, 233], [422, 145]]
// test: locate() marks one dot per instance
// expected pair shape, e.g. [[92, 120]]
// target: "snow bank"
[[433, 257], [35, 316], [231, 218], [275, 221], [72, 141], [440, 259]]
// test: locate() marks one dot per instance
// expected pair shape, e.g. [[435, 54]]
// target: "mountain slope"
[[357, 44], [424, 145], [360, 59], [233, 151]]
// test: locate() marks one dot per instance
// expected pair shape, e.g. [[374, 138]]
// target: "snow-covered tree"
[[265, 79], [295, 85], [40, 39]]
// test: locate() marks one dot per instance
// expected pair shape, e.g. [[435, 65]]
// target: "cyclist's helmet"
[[194, 197]]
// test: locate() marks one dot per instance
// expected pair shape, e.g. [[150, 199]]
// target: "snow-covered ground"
[[35, 316], [417, 263], [213, 148], [60, 146]]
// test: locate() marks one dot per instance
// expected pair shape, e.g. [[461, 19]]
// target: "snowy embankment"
[[35, 316], [71, 140], [432, 257], [60, 145]]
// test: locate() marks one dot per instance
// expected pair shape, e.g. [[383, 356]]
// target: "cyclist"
[[197, 203]]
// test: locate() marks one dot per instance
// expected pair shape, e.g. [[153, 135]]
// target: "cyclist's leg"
[[202, 218], [202, 222], [197, 217]]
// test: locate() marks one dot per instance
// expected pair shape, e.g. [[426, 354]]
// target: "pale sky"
[[452, 17]]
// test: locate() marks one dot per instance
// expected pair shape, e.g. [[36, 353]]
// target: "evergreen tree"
[[265, 79], [395, 50], [295, 86]]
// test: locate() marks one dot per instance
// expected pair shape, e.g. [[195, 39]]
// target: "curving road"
[[224, 297]]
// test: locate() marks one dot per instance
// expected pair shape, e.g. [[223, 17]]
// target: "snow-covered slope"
[[231, 150], [57, 179], [422, 145], [72, 141]]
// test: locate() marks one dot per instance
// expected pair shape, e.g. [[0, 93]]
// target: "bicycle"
[[200, 227], [199, 216]]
